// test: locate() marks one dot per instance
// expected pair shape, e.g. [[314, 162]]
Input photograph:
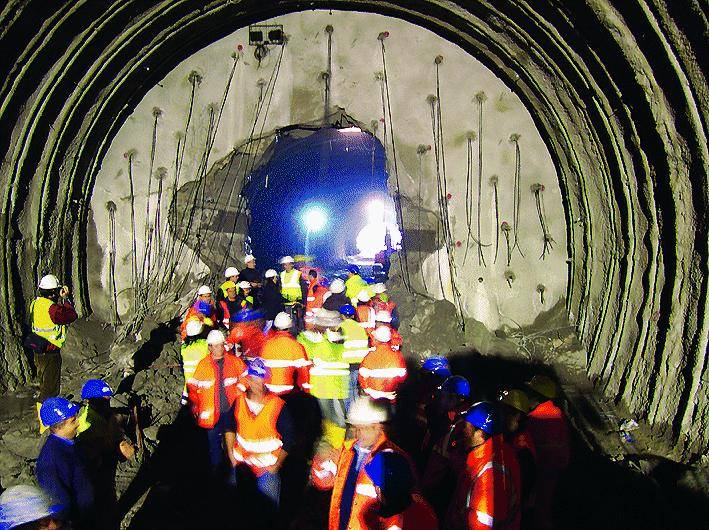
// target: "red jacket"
[[487, 495], [287, 361], [201, 388], [249, 339], [382, 372], [550, 432]]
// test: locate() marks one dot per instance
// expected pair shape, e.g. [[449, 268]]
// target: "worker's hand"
[[64, 292], [256, 284], [232, 458], [127, 449]]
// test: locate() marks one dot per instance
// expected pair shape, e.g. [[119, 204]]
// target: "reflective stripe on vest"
[[42, 324], [290, 285], [382, 373], [258, 442]]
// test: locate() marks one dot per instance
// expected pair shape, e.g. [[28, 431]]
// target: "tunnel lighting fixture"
[[314, 219], [266, 34], [350, 130]]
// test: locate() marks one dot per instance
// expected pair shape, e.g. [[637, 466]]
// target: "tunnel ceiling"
[[614, 87]]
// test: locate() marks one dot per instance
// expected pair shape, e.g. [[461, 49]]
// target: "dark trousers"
[[49, 370]]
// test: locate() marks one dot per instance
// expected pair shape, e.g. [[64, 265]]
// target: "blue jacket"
[[61, 473]]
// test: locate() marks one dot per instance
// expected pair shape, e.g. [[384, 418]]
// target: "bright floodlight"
[[314, 219]]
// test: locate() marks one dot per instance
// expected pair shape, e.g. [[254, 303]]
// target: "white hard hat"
[[245, 285], [24, 504], [215, 337], [49, 282], [193, 327], [382, 334], [270, 273], [337, 286], [363, 296], [365, 411], [287, 259], [334, 336], [204, 290], [383, 316], [283, 321], [379, 288], [231, 271], [249, 257]]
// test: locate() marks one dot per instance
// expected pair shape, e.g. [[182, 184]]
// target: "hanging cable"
[[480, 97], [111, 207], [517, 197], [470, 137], [537, 190], [493, 182], [327, 75], [130, 154]]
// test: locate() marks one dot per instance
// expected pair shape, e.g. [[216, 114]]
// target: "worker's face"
[[367, 435], [513, 419], [287, 266], [49, 523], [233, 278], [206, 297], [67, 429], [231, 293], [257, 385], [217, 350], [246, 290], [251, 264], [470, 437]]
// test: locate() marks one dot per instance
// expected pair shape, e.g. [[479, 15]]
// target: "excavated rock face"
[[615, 91]]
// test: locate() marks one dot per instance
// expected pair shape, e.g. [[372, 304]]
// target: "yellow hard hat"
[[516, 399], [544, 385], [228, 285]]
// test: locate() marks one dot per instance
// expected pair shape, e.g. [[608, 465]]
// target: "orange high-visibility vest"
[[201, 388], [365, 316], [382, 372], [248, 337], [258, 443], [314, 300], [395, 342], [287, 361], [193, 314]]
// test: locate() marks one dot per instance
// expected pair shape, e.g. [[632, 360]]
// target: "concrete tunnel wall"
[[614, 87]]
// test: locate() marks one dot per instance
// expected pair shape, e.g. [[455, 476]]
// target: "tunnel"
[[542, 165]]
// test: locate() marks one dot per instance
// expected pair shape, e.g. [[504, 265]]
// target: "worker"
[[271, 300], [514, 407], [193, 350], [103, 442], [291, 287], [329, 374], [50, 314], [252, 275], [246, 336], [434, 370], [29, 508], [213, 389], [314, 299], [356, 345], [285, 358], [231, 274], [399, 505], [229, 305], [202, 309], [383, 370], [548, 427], [365, 313], [354, 495], [487, 492], [264, 434], [354, 284], [382, 302], [60, 468], [245, 298], [383, 318], [335, 297]]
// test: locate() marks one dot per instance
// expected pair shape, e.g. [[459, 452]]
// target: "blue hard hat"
[[354, 269], [248, 315], [203, 307], [348, 310], [391, 472], [258, 368], [483, 416], [95, 388], [56, 409], [456, 384], [437, 365]]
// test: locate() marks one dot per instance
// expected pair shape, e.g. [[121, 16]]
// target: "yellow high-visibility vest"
[[290, 286], [43, 325]]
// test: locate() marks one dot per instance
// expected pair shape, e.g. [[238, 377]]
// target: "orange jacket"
[[201, 388], [382, 372], [395, 342], [365, 501], [287, 361], [487, 495], [365, 316], [258, 443], [547, 426], [418, 516], [193, 314], [314, 299], [247, 339]]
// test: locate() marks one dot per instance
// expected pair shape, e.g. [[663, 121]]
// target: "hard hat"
[[283, 321], [337, 286], [56, 409], [286, 259], [95, 388], [379, 288], [366, 411], [383, 316], [193, 327], [244, 285], [516, 399], [483, 416], [228, 285], [437, 365], [24, 504], [270, 273], [249, 257], [363, 296], [231, 271], [327, 319], [215, 337], [456, 385], [390, 471], [353, 269], [257, 368], [49, 282], [382, 334], [543, 385], [347, 310], [248, 315], [203, 307], [204, 290]]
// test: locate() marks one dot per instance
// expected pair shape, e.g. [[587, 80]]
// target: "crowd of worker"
[[424, 458]]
